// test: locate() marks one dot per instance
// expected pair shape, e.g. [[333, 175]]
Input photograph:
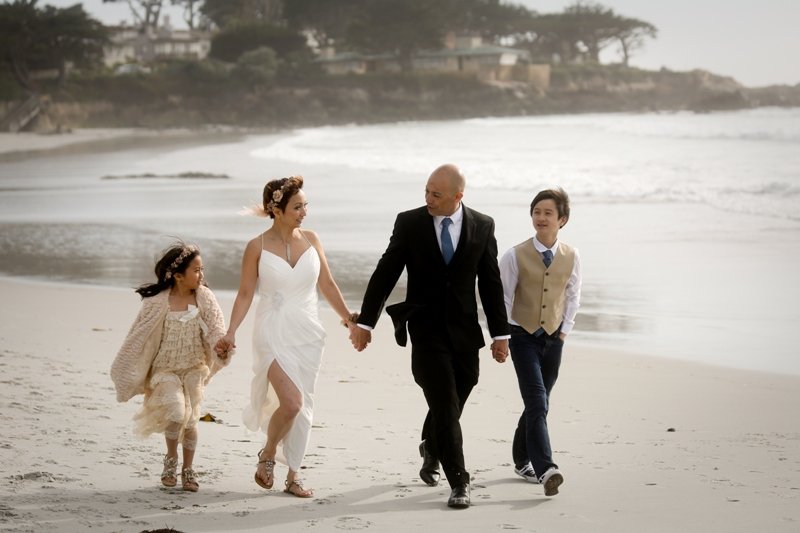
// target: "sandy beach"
[[645, 444], [647, 440]]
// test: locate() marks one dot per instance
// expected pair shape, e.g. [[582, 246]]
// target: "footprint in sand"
[[352, 523]]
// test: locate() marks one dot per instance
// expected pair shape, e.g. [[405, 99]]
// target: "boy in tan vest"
[[542, 286]]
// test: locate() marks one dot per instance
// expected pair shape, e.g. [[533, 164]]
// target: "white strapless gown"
[[286, 331]]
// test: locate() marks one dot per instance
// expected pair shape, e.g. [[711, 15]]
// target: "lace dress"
[[287, 332], [177, 376]]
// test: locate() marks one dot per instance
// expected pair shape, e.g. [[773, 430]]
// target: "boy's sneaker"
[[527, 473], [551, 480]]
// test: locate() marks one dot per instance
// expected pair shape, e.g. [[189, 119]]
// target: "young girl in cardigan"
[[169, 357]]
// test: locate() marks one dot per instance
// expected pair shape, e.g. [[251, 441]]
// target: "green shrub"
[[257, 68]]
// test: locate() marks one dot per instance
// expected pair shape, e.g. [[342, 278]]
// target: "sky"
[[754, 41]]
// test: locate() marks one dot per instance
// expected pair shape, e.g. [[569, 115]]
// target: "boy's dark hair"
[[559, 196]]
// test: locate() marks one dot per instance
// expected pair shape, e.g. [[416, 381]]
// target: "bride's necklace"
[[288, 247]]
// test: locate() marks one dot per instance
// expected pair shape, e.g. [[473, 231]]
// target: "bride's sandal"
[[295, 488], [190, 480], [169, 477], [269, 470]]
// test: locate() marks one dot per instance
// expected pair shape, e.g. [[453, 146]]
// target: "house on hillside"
[[131, 45], [461, 54]]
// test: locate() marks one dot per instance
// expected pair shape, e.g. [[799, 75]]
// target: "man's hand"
[[360, 337], [500, 350]]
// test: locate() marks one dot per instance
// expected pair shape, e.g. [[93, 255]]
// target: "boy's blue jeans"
[[536, 361]]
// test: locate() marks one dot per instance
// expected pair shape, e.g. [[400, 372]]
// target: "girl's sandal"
[[270, 471], [169, 477], [190, 480], [295, 488]]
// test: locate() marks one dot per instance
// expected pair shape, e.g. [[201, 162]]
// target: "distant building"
[[465, 54], [131, 45]]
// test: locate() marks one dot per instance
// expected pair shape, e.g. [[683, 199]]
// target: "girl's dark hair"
[[174, 260], [288, 187], [559, 196]]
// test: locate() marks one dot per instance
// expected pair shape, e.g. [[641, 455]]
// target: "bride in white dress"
[[286, 264]]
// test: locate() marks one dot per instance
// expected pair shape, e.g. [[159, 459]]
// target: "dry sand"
[[69, 462]]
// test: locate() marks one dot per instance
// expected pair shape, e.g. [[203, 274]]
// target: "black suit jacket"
[[440, 298]]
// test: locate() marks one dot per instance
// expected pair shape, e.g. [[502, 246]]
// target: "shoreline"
[[86, 139], [69, 225], [591, 344], [645, 443], [25, 145]]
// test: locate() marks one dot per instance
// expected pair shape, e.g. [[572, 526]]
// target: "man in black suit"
[[445, 246]]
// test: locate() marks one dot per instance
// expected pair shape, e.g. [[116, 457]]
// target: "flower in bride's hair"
[[277, 196]]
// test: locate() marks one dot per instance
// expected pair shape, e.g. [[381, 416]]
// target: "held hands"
[[500, 350], [351, 320], [359, 337], [225, 345]]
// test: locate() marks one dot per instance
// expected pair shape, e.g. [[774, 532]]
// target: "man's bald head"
[[452, 174], [444, 190]]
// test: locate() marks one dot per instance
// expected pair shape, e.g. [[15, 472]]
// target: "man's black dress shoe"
[[429, 473], [459, 497]]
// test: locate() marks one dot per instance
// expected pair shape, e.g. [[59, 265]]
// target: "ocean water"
[[745, 161], [688, 224]]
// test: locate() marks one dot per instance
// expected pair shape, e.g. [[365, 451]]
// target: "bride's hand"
[[350, 321]]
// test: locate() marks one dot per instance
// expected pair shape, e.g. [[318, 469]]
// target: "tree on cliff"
[[596, 26], [359, 24], [581, 31], [146, 13], [326, 21], [492, 20], [191, 11], [32, 38], [243, 36], [631, 35], [397, 27], [223, 13]]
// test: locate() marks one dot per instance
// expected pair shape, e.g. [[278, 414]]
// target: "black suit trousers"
[[446, 377]]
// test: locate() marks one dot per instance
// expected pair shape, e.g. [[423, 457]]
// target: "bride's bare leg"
[[290, 401]]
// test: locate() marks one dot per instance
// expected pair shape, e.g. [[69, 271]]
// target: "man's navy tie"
[[447, 242], [547, 257]]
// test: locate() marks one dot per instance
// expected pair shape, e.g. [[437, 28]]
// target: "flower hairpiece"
[[277, 196], [186, 252]]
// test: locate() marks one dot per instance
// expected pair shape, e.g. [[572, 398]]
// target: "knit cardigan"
[[130, 370]]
